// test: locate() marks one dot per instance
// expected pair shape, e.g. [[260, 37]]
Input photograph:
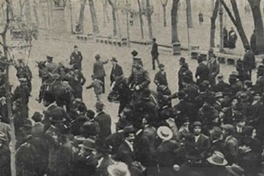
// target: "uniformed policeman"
[[51, 67], [23, 71], [139, 79]]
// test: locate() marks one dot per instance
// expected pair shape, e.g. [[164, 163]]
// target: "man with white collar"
[[202, 141]]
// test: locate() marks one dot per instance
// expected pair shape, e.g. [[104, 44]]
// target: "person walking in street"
[[76, 58], [161, 77], [214, 69], [116, 71], [97, 86], [154, 53], [99, 71]]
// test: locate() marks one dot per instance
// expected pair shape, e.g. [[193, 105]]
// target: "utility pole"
[[221, 49], [127, 20]]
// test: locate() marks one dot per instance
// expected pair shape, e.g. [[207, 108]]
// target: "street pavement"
[[61, 49]]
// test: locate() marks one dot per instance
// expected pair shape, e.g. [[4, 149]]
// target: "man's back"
[[104, 121]]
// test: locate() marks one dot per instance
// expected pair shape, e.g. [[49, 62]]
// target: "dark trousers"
[[156, 58], [103, 86]]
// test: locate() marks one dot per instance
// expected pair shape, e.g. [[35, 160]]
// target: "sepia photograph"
[[131, 88]]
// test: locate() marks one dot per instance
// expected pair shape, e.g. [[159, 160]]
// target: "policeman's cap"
[[49, 57]]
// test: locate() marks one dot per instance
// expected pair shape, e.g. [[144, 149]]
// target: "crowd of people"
[[215, 128]]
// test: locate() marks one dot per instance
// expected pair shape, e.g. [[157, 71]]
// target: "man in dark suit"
[[76, 58], [104, 121], [126, 149], [202, 71], [202, 142], [154, 53], [249, 61], [161, 77], [116, 71], [231, 143], [99, 71]]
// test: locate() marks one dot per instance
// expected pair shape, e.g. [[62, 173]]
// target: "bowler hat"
[[197, 123], [37, 116], [102, 146], [75, 46], [244, 97], [134, 53], [113, 59], [233, 76], [228, 128], [161, 65], [129, 129], [235, 170], [193, 154], [88, 144], [97, 56], [182, 59], [218, 95], [57, 116], [99, 105], [217, 159], [164, 133]]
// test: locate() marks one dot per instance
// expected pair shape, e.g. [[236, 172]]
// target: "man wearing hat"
[[220, 85], [103, 119], [85, 162], [248, 159], [125, 152], [23, 71], [99, 71], [116, 71], [154, 53], [139, 78], [249, 61], [202, 141], [235, 84], [231, 143], [217, 163], [214, 69], [160, 78], [51, 67], [22, 92], [76, 58], [202, 71]]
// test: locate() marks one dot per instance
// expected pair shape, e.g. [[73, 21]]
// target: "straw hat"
[[164, 133]]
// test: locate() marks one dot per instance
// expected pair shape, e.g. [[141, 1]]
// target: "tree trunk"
[[94, 17], [239, 25], [8, 93], [213, 19], [164, 16], [149, 20], [36, 13], [174, 11], [28, 11], [140, 19], [114, 17], [81, 16], [104, 12], [258, 23]]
